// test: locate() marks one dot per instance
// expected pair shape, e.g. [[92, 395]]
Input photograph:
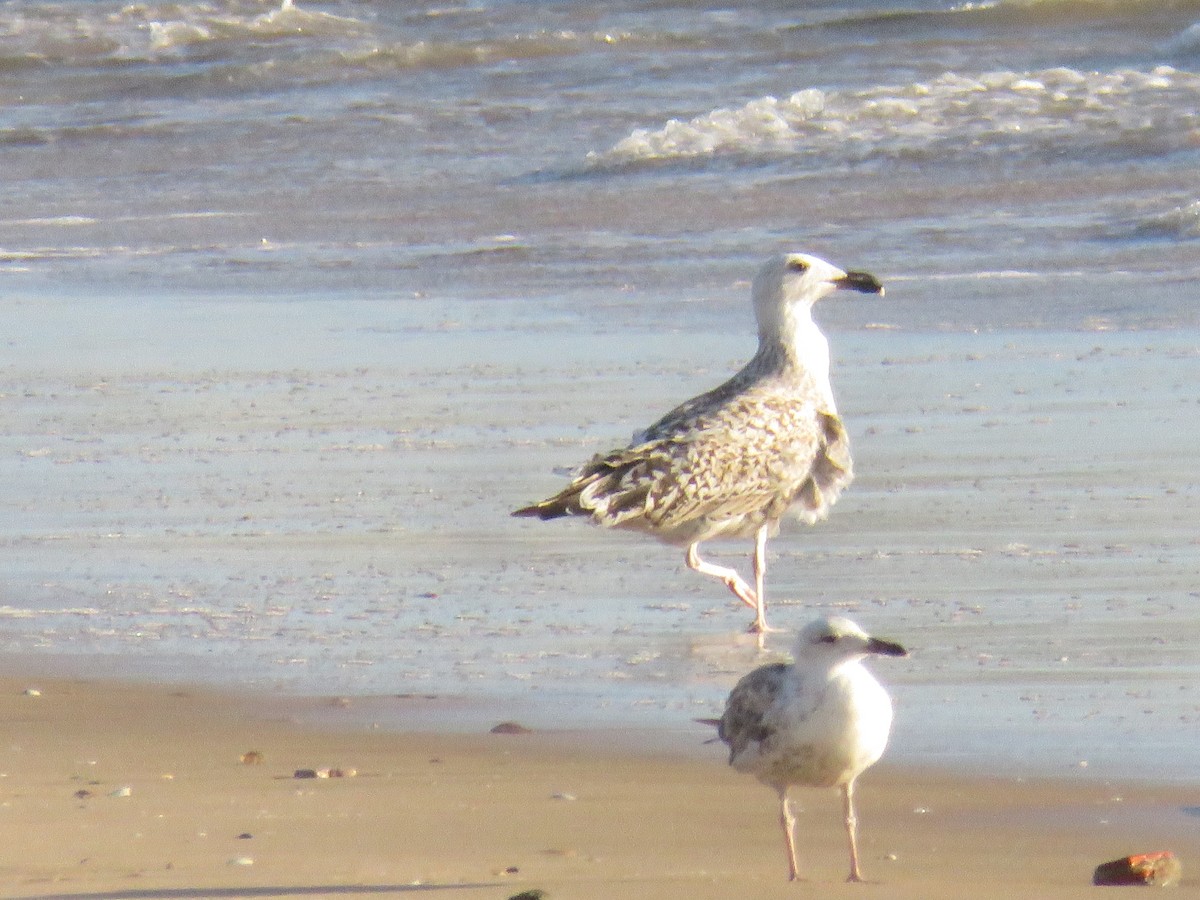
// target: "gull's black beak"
[[884, 648], [861, 282]]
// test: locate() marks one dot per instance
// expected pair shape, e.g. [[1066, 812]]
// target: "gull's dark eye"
[[797, 265], [828, 639]]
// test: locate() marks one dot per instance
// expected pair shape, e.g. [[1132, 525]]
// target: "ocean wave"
[[1187, 42], [1054, 111], [197, 25], [1180, 223], [1039, 11], [1017, 13], [531, 45], [31, 136], [284, 40], [73, 34]]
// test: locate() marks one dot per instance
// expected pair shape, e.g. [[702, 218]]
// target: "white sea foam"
[[953, 115], [175, 26], [164, 31], [75, 35]]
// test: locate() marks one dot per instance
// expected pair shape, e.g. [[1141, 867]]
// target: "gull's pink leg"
[[851, 830], [759, 626], [788, 822], [732, 579]]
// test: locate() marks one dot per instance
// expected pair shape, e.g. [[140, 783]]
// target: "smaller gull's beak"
[[885, 648], [861, 282]]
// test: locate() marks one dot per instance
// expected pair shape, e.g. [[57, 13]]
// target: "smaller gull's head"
[[798, 279], [836, 640]]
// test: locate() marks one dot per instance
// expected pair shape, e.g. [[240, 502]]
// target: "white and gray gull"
[[732, 462], [817, 722]]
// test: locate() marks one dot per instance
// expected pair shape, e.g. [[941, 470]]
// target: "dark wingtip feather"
[[545, 511]]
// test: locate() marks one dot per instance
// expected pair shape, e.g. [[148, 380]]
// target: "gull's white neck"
[[803, 347], [823, 667]]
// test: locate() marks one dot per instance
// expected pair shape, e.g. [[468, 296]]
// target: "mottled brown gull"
[[731, 462], [820, 721]]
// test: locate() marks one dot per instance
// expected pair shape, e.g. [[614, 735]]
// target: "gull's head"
[[836, 640], [799, 279]]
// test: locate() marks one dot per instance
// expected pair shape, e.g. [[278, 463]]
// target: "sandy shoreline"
[[117, 790], [207, 511]]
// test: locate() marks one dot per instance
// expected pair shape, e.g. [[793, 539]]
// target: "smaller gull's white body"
[[733, 461], [817, 722]]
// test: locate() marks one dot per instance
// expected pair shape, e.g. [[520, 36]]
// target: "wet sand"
[[328, 512], [117, 791]]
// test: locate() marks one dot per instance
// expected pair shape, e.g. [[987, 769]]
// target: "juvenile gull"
[[819, 721], [732, 461]]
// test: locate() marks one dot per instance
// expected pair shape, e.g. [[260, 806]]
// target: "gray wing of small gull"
[[747, 718]]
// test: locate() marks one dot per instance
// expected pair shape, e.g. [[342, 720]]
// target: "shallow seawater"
[[301, 299]]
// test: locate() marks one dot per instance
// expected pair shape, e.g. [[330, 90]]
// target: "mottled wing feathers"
[[832, 469], [746, 719], [836, 445], [686, 416], [722, 463], [603, 475]]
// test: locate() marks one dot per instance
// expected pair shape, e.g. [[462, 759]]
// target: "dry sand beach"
[[117, 791]]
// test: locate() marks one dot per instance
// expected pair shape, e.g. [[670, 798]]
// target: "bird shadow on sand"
[[231, 893]]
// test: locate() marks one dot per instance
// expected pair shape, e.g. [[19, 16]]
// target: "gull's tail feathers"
[[599, 491]]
